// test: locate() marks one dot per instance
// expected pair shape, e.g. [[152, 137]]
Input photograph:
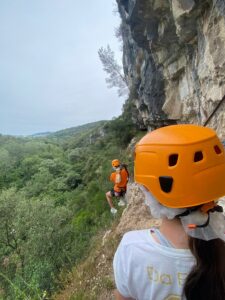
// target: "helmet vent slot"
[[173, 160], [217, 149], [166, 183], [198, 156]]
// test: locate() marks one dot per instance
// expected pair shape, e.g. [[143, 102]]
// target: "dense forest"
[[52, 202]]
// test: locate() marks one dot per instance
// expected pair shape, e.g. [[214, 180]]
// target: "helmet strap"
[[187, 212], [211, 208], [193, 226]]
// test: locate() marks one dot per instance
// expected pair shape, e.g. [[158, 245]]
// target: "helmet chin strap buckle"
[[194, 226]]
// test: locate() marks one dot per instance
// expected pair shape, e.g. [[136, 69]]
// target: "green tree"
[[114, 70]]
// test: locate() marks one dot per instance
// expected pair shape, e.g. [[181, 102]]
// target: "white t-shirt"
[[147, 270]]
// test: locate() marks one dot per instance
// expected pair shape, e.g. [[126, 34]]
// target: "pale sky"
[[51, 77]]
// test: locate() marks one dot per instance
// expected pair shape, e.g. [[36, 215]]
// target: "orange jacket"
[[123, 180]]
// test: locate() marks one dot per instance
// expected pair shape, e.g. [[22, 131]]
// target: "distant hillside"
[[40, 134], [68, 132]]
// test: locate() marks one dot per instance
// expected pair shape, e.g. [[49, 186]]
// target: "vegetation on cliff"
[[52, 202]]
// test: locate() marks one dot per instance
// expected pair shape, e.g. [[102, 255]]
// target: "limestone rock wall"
[[136, 215], [174, 60]]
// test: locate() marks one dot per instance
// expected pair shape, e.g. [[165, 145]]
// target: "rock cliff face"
[[174, 61]]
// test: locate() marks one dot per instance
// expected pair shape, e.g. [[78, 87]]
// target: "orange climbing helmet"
[[115, 163], [181, 165]]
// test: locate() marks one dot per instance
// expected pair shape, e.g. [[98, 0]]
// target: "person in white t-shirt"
[[181, 171]]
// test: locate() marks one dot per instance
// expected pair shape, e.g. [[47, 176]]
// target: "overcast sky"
[[50, 75]]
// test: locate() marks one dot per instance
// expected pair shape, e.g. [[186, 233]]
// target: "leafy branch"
[[116, 77]]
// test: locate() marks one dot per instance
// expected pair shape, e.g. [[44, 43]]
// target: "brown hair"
[[207, 278]]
